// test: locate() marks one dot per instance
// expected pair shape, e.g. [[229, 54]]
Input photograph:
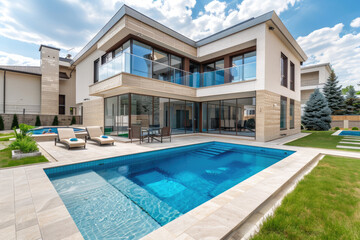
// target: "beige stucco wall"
[[274, 47], [22, 92], [68, 88], [85, 76], [310, 78], [93, 112]]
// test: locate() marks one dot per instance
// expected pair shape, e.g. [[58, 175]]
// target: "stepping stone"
[[355, 143], [348, 147], [351, 139]]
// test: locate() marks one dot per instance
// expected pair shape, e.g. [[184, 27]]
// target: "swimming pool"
[[46, 130], [349, 133], [129, 196]]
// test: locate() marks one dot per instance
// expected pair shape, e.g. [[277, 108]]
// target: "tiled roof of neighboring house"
[[22, 69], [125, 10], [63, 75], [65, 59]]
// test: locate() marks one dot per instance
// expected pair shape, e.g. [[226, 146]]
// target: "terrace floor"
[[32, 209]]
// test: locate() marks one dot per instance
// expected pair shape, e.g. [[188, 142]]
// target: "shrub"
[[336, 128], [1, 123], [25, 145], [56, 121], [37, 122], [23, 141], [73, 120], [15, 123], [355, 128]]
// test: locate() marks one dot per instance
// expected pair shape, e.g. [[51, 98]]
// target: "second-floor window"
[[96, 70], [243, 67], [292, 76], [284, 70]]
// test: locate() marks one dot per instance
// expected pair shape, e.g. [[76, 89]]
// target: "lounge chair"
[[67, 137], [165, 132], [95, 134]]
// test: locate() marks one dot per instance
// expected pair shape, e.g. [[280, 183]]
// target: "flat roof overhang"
[[129, 83]]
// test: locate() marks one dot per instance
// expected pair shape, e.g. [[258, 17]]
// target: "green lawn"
[[324, 205], [320, 139], [6, 161]]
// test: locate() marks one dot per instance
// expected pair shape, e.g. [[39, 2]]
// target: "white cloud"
[[355, 23], [18, 60], [342, 51]]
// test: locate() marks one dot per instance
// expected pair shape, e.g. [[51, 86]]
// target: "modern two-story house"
[[244, 80]]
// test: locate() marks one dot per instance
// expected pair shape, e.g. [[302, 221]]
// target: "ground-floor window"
[[292, 113], [232, 117]]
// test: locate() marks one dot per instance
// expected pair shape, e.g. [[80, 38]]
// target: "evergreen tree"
[[73, 120], [37, 122], [1, 123], [351, 93], [15, 122], [351, 100], [333, 94], [56, 121], [317, 113]]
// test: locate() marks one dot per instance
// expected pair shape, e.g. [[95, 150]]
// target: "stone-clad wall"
[[46, 120]]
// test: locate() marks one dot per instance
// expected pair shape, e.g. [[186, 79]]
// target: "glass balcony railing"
[[139, 66]]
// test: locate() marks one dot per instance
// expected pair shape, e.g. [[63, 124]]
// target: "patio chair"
[[67, 137], [164, 133], [136, 133], [95, 134]]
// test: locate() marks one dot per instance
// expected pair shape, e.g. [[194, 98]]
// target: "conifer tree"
[[56, 121], [15, 123], [37, 122], [1, 123], [333, 94], [317, 113], [73, 120]]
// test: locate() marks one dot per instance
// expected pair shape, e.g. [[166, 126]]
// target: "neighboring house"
[[312, 77], [244, 80], [48, 90]]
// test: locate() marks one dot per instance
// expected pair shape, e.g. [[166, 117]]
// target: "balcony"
[[129, 63]]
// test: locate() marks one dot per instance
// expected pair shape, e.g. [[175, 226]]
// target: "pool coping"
[[337, 133], [213, 219]]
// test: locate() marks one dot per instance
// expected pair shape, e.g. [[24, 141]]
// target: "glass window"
[[213, 117], [237, 69], [292, 76], [141, 110], [250, 65], [122, 118], [194, 79], [283, 105], [228, 117], [284, 70], [96, 70], [292, 114], [161, 65], [177, 116], [141, 64], [204, 117], [246, 110], [161, 112], [110, 116], [61, 104], [126, 57], [118, 51], [176, 73]]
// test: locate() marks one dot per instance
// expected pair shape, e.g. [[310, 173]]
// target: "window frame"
[[284, 70], [292, 76], [282, 98]]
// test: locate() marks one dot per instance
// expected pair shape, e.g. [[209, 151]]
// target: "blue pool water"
[[349, 133], [129, 196], [38, 131]]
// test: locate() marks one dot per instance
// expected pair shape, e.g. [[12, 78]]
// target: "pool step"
[[212, 151], [101, 211], [156, 208]]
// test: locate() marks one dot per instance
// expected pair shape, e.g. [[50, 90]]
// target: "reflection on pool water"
[[130, 196]]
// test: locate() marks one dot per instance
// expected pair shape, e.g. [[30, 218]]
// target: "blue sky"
[[328, 30]]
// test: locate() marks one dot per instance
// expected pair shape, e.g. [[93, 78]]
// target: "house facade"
[[312, 77], [244, 80]]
